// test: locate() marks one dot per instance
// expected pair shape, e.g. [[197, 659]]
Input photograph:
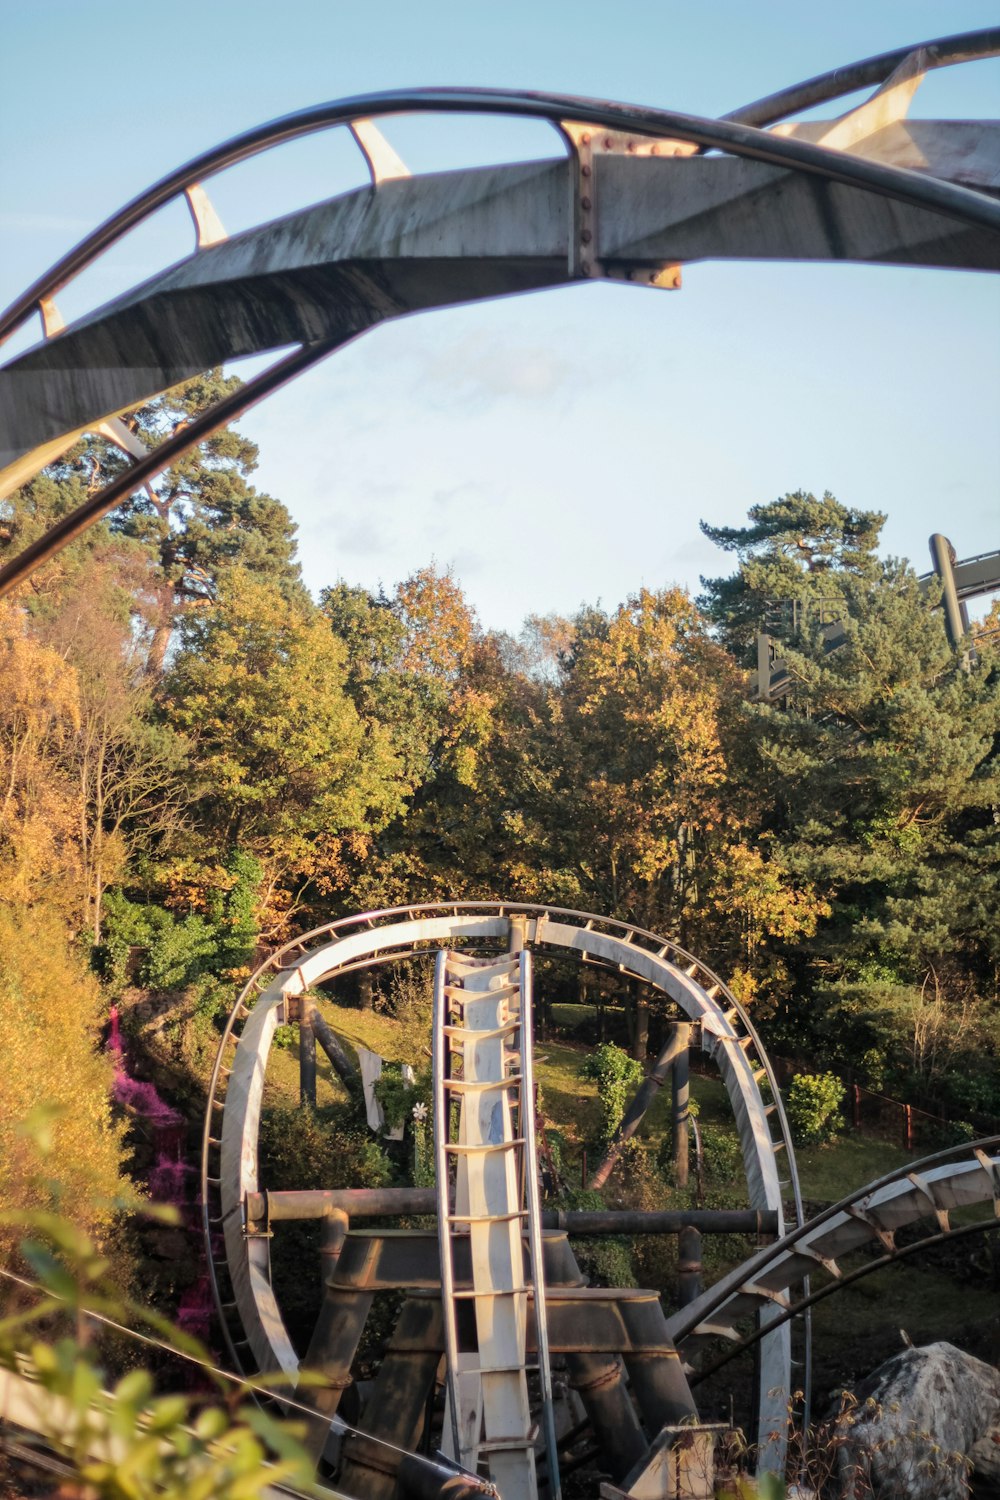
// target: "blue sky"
[[554, 448]]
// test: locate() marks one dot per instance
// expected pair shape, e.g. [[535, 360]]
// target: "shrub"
[[324, 1148], [178, 950], [605, 1260], [615, 1074], [812, 1104], [234, 914], [397, 1097]]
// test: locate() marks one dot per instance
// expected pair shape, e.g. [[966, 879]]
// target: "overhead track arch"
[[638, 191]]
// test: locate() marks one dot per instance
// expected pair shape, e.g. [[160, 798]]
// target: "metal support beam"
[[339, 1060], [680, 1111], [307, 1064], [644, 1097], [688, 1266], [396, 1409], [367, 1203], [955, 614]]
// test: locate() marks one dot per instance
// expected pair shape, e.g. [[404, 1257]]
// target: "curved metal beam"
[[943, 52], [731, 134], [933, 1186], [808, 1301], [157, 459], [959, 204]]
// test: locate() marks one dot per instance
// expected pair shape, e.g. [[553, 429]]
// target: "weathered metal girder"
[[603, 1335], [266, 1208], [933, 1188], [329, 272], [636, 197]]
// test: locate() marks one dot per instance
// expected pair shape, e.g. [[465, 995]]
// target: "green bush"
[[605, 1260], [324, 1148], [234, 914], [178, 950], [812, 1104], [616, 1075], [397, 1097]]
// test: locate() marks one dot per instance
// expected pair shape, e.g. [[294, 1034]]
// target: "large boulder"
[[924, 1421]]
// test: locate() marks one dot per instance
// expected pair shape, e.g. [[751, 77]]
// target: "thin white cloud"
[[480, 371]]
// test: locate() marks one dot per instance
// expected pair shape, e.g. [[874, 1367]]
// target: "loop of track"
[[288, 957]]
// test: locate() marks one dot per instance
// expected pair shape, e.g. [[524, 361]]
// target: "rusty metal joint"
[[609, 1376], [256, 1217]]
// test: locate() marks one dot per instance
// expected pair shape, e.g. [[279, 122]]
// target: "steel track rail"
[[943, 52], [77, 521], [857, 1207], [736, 133], [795, 1309]]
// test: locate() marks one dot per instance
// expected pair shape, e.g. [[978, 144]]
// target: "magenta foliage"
[[168, 1181], [170, 1177], [144, 1099]]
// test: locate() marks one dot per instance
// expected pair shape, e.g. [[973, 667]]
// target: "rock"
[[923, 1420]]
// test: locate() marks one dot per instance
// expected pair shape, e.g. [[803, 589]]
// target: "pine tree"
[[876, 785], [796, 549]]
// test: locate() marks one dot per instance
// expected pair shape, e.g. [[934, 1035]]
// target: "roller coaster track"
[[320, 277], [933, 1189], [482, 1062], [240, 1265]]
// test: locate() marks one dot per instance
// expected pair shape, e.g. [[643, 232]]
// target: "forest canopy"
[[198, 760]]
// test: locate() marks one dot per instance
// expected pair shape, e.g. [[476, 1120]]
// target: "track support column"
[[307, 1062]]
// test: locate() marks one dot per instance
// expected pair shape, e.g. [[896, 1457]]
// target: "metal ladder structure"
[[487, 1187]]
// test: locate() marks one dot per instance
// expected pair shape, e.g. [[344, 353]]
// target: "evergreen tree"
[[194, 522], [796, 549], [876, 785]]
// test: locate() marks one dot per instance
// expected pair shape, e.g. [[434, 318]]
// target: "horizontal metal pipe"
[[667, 1221], [366, 1203], [357, 1203]]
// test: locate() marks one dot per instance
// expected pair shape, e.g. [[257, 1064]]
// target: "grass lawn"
[[828, 1173], [570, 1100]]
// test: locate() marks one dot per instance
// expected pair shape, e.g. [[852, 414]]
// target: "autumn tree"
[[282, 765], [408, 657], [125, 764], [41, 857], [54, 1076]]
